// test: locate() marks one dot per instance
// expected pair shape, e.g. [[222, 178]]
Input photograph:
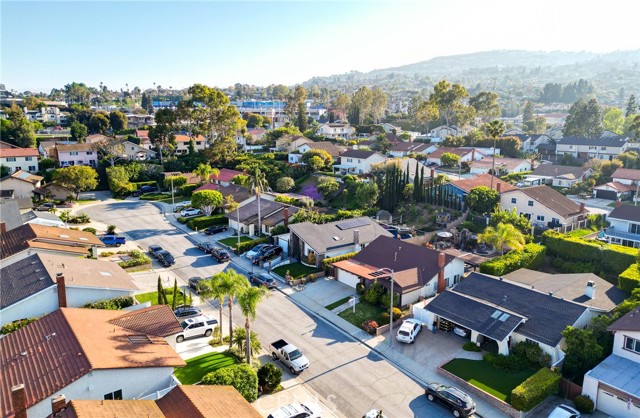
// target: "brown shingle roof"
[[552, 199], [331, 148], [75, 147], [552, 170], [629, 322], [627, 174], [157, 320], [482, 180], [206, 402], [26, 176]]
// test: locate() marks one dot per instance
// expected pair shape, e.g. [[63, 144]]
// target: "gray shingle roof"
[[354, 153], [272, 212], [552, 199], [629, 322], [616, 141], [23, 279], [552, 170], [620, 373]]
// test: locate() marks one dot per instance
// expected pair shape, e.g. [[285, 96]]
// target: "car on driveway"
[[154, 250], [165, 258], [298, 410], [182, 206], [461, 332], [267, 254], [460, 404], [45, 207], [215, 229], [262, 279], [255, 250], [190, 212], [409, 331], [207, 247], [194, 283], [564, 411], [220, 255], [185, 312]]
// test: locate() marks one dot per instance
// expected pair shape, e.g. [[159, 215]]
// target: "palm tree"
[[205, 171], [494, 129], [248, 301], [257, 184], [216, 289], [234, 285], [230, 205], [503, 235]]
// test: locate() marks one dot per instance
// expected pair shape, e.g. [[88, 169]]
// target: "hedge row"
[[138, 258], [111, 304], [326, 263], [531, 257], [610, 257], [139, 184], [202, 222], [629, 279], [535, 389], [187, 189], [15, 325], [247, 245]]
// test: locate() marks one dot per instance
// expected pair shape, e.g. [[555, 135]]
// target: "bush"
[[111, 229], [531, 257], [373, 294], [15, 325], [535, 389], [523, 356], [241, 376], [584, 404], [469, 346], [370, 326], [139, 184], [279, 230], [182, 219], [111, 304], [90, 229], [326, 263], [269, 377], [138, 258], [360, 288], [187, 189], [202, 222], [247, 245], [80, 218], [629, 279]]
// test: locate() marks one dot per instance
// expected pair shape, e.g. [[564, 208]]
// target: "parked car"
[[289, 355], [194, 283], [207, 247], [374, 413], [409, 331], [269, 254], [255, 250], [220, 255], [190, 212], [165, 258], [298, 410], [113, 240], [200, 326], [263, 279], [453, 398], [186, 312], [45, 207], [462, 332], [182, 206], [564, 411], [215, 229], [154, 250], [148, 189]]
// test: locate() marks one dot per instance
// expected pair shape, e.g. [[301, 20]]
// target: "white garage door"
[[616, 406], [347, 278]]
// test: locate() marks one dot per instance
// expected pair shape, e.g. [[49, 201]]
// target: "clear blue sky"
[[49, 44]]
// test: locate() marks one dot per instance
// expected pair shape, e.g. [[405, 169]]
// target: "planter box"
[[140, 267]]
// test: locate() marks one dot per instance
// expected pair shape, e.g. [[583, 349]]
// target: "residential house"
[[402, 149], [626, 176], [92, 354], [240, 194], [530, 142], [336, 130], [47, 148], [272, 214], [201, 401], [16, 159], [624, 228], [143, 136], [332, 149], [502, 166], [139, 121], [444, 131], [463, 186], [500, 314], [51, 114], [43, 218], [310, 241], [76, 154], [418, 271], [588, 148], [41, 283], [614, 384], [466, 154], [257, 134], [614, 191], [22, 183], [10, 216], [544, 206], [554, 119], [358, 161], [53, 191], [96, 139], [560, 175], [225, 176], [182, 143], [40, 238], [191, 178], [290, 143], [137, 152]]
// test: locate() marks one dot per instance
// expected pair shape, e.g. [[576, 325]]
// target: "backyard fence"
[[568, 389]]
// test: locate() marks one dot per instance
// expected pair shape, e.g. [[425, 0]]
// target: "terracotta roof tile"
[[18, 152], [206, 402], [157, 320], [187, 138], [111, 409], [626, 173], [226, 175], [482, 180]]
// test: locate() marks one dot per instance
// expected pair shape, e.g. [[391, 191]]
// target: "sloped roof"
[[354, 153], [31, 215], [272, 212], [75, 147], [25, 176], [10, 213], [187, 138], [482, 180], [629, 322], [226, 175], [451, 150], [331, 148], [507, 163], [626, 213], [77, 408], [616, 141], [156, 320], [615, 185], [410, 147], [552, 199], [553, 170], [22, 279], [206, 402], [626, 174], [18, 152]]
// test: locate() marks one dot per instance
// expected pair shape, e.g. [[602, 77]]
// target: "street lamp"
[[391, 277]]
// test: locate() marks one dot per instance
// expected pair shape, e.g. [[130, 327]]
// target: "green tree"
[[147, 103], [494, 129], [510, 217], [632, 107], [426, 112], [327, 186], [366, 194], [453, 141], [379, 101], [174, 181], [160, 292], [241, 376], [504, 235], [284, 184], [632, 126], [482, 199], [408, 191], [77, 93], [323, 155], [360, 107], [111, 149], [118, 180], [234, 285], [206, 200], [448, 99], [316, 163], [254, 121], [161, 133], [269, 377], [528, 115], [99, 123], [613, 120], [175, 294], [118, 120], [78, 178], [486, 105], [205, 171], [449, 160], [23, 134], [582, 354], [32, 103], [78, 131], [248, 301], [258, 183], [584, 120], [342, 103], [215, 288]]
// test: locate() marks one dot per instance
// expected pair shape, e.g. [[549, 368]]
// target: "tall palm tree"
[[205, 171], [234, 285], [216, 289], [248, 301], [503, 235], [494, 129], [257, 184]]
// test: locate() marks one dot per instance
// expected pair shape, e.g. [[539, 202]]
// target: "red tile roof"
[[226, 175], [457, 151], [156, 320], [482, 180], [208, 186], [205, 402], [187, 138], [18, 152], [626, 174]]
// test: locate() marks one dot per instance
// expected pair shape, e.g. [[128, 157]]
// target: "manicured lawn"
[[364, 311], [338, 303], [296, 270], [199, 366], [486, 377], [153, 297], [233, 241]]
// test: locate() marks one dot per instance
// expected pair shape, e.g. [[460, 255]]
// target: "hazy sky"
[[171, 43]]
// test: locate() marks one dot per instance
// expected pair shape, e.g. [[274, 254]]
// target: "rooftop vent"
[[139, 339]]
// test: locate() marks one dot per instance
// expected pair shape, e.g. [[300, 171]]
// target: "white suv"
[[200, 326], [191, 212], [409, 330]]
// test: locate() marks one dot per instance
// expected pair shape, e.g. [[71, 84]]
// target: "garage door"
[[606, 194], [616, 406], [347, 278]]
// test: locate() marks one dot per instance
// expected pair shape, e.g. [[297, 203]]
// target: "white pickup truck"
[[200, 326], [289, 355]]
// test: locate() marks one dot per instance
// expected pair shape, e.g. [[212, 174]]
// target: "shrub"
[[326, 263], [360, 288], [202, 222], [90, 229], [139, 184], [241, 376], [279, 230], [535, 389], [509, 364], [373, 294], [269, 377], [182, 219], [531, 257], [111, 229], [629, 279], [584, 404], [15, 325], [187, 189], [247, 245], [111, 304], [138, 258], [106, 254], [469, 346], [370, 326]]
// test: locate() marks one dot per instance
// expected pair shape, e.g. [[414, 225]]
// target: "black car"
[[165, 258], [154, 250], [194, 283], [207, 247], [215, 229], [263, 279], [185, 312], [220, 255], [459, 402], [269, 254]]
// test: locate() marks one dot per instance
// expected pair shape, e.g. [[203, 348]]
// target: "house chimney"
[[3, 228], [498, 187], [19, 401], [590, 289], [62, 290], [441, 262], [473, 154], [356, 240], [286, 216], [58, 404], [94, 252]]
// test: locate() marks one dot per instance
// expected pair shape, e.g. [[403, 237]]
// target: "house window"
[[571, 147], [593, 148], [113, 396], [555, 221], [28, 158], [632, 344], [349, 160], [634, 228], [359, 161], [513, 200], [11, 159], [32, 168], [540, 218], [603, 148], [89, 152], [73, 153], [530, 203]]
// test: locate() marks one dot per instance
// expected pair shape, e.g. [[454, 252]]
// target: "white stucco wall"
[[79, 296], [39, 304], [618, 345], [20, 188], [522, 206]]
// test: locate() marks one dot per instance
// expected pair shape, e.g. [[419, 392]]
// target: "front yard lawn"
[[364, 311], [486, 377], [337, 303], [199, 366], [296, 270], [153, 297], [233, 241]]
